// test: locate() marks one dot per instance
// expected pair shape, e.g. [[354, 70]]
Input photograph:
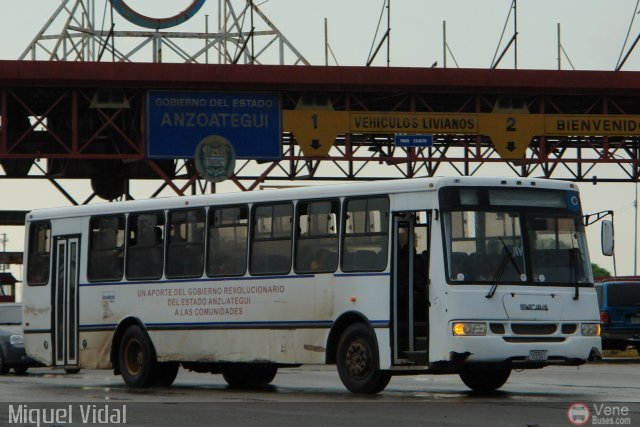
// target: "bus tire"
[[484, 380], [137, 358], [245, 375], [358, 361], [165, 373]]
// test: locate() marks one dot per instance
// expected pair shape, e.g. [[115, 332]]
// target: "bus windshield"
[[518, 244]]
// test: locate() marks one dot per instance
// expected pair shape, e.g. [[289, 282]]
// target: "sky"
[[592, 33]]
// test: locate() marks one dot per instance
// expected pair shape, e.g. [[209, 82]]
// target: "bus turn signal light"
[[461, 329], [591, 329]]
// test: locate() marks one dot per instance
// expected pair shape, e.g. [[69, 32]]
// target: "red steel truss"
[[87, 120]]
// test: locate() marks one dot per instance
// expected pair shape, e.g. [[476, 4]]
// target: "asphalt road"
[[313, 396]]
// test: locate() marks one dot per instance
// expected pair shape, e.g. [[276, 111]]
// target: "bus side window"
[[366, 224], [185, 244], [39, 253], [106, 248], [145, 246], [227, 241], [271, 239], [316, 248]]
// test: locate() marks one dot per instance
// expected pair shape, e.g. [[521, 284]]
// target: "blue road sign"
[[178, 121], [410, 140]]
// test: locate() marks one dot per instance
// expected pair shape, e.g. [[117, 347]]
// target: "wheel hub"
[[358, 359], [135, 357]]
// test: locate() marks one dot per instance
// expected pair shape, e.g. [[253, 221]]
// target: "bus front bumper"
[[524, 352]]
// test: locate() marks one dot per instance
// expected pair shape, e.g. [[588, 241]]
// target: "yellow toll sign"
[[510, 133], [315, 130]]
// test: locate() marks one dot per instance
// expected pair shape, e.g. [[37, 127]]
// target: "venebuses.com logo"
[[581, 414]]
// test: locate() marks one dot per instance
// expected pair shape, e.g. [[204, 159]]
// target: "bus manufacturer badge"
[[215, 158], [534, 307]]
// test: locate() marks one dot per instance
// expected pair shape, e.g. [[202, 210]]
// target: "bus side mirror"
[[606, 237]]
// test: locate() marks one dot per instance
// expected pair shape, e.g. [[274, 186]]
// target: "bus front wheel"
[[484, 380], [358, 362], [136, 358]]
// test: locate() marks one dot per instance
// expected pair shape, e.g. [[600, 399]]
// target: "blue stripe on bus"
[[361, 274], [247, 325], [196, 280], [235, 278]]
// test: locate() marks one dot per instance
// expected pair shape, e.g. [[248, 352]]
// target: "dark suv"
[[619, 302]]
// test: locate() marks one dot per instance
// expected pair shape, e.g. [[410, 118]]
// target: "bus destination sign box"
[[178, 121]]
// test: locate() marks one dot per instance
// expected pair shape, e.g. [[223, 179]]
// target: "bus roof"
[[319, 191]]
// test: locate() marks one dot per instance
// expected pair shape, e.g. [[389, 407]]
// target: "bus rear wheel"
[[245, 375], [484, 380], [137, 358], [358, 361]]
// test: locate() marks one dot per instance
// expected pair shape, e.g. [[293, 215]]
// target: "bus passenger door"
[[65, 301], [410, 287]]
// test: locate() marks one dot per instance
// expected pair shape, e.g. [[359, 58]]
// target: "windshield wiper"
[[501, 268], [574, 266]]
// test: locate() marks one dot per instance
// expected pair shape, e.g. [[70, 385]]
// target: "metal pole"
[[326, 43], [559, 49], [92, 26], [633, 46], [220, 41], [515, 32], [388, 33], [226, 29], [113, 39], [252, 28], [206, 38], [444, 43]]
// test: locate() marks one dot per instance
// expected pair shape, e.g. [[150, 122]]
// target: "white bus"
[[468, 276]]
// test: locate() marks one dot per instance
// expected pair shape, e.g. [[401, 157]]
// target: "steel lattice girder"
[[58, 116]]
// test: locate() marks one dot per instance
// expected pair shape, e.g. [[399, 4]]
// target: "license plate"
[[635, 320], [538, 355]]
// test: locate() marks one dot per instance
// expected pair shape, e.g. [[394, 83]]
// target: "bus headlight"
[[591, 329], [461, 329], [16, 340]]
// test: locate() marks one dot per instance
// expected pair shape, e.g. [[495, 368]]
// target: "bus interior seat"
[[270, 264], [555, 264], [106, 263], [458, 264], [278, 264], [329, 261], [303, 260], [361, 260], [144, 262]]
